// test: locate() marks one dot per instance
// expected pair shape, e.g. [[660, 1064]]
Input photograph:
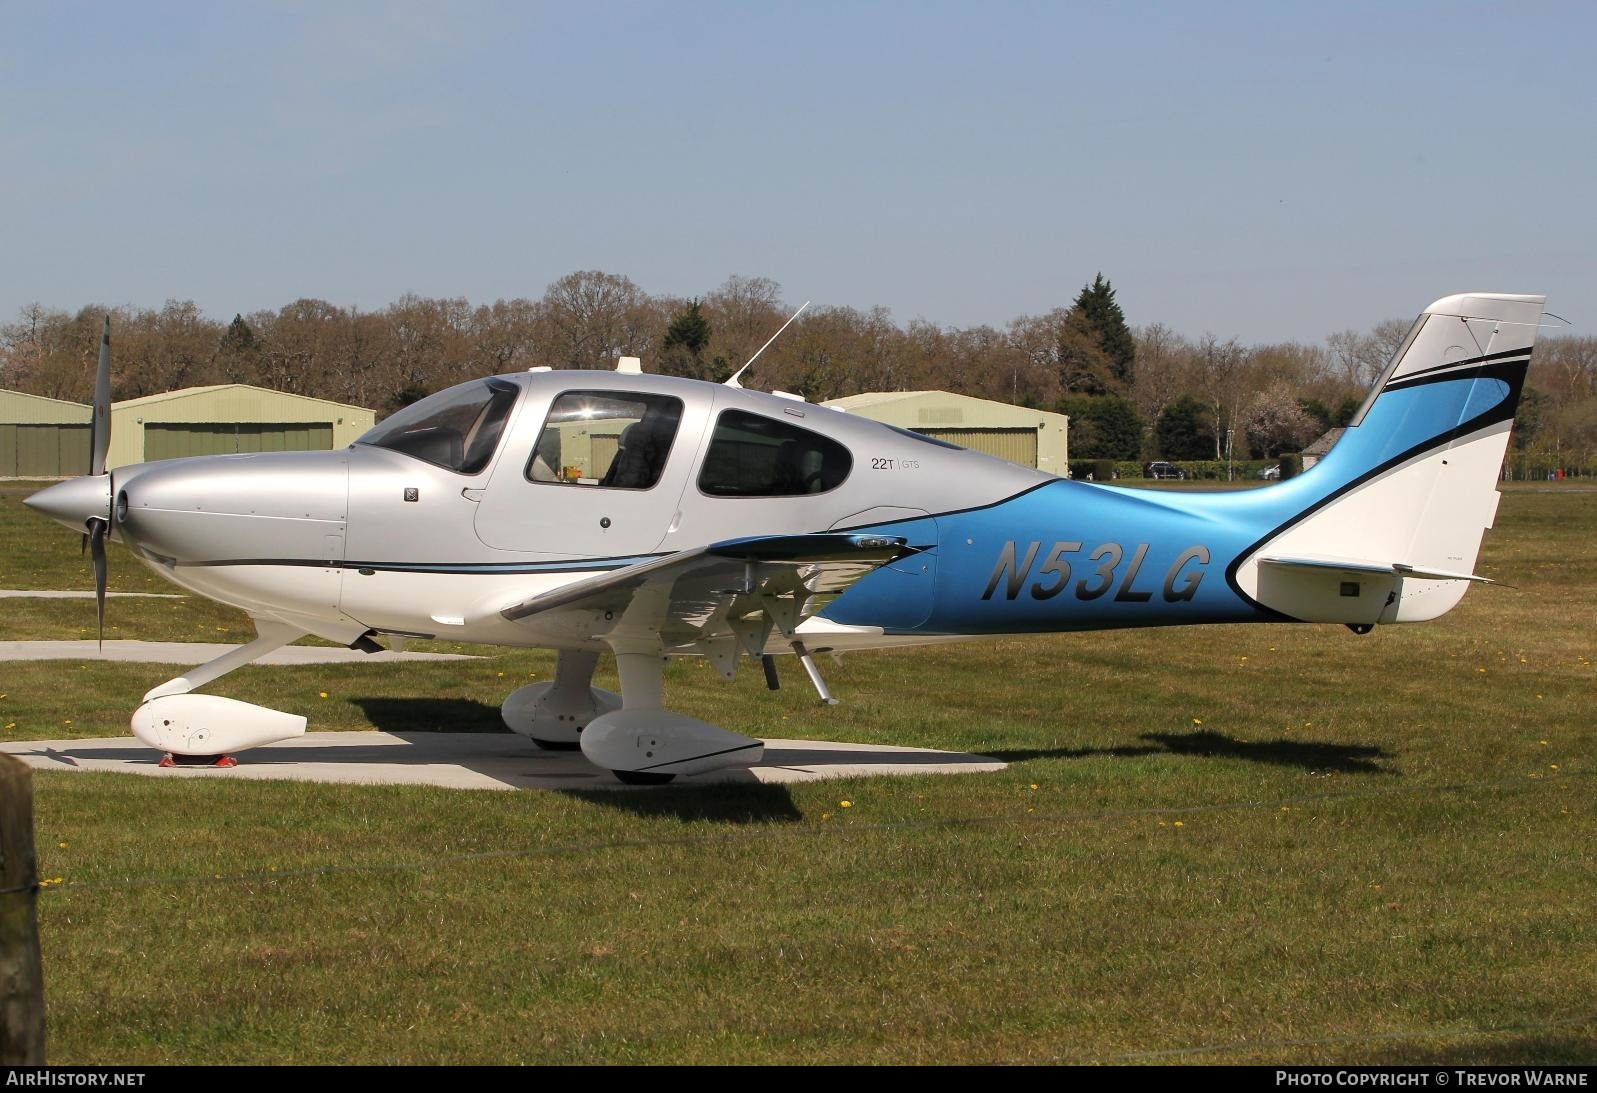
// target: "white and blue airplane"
[[651, 517]]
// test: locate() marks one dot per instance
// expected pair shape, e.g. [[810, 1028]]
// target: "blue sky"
[[1264, 171]]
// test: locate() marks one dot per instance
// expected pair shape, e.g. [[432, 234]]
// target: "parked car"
[[1161, 469], [1270, 474]]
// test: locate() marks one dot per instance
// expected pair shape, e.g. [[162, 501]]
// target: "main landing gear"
[[632, 734]]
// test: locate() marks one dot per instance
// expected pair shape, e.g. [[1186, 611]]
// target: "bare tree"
[[1359, 359], [1165, 370], [743, 312], [1221, 376], [595, 317]]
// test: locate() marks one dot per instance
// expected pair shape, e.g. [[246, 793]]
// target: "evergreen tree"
[[682, 347], [1104, 427], [1528, 417], [1097, 306], [238, 354], [1184, 430], [238, 338]]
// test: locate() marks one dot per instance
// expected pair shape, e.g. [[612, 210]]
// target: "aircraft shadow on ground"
[[424, 714], [738, 801], [1306, 754]]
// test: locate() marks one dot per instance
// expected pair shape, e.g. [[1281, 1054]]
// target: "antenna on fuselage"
[[733, 381]]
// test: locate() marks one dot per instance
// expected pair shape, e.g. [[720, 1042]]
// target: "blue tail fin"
[[1411, 486]]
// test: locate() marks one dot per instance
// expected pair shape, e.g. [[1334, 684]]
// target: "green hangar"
[[1032, 438], [47, 438]]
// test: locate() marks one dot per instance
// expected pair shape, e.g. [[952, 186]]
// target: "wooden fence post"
[[21, 976]]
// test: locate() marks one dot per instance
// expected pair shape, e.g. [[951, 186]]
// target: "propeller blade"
[[100, 424], [97, 532]]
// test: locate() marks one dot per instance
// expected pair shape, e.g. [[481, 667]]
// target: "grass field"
[[1243, 844]]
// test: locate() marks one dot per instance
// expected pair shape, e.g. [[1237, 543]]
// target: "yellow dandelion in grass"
[[845, 804], [1034, 785], [321, 694], [1543, 743], [1552, 766], [1178, 823], [1482, 671], [10, 725], [1197, 720], [60, 846], [4, 695], [826, 815], [68, 721]]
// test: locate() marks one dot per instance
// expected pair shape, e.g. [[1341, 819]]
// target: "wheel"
[[642, 777], [556, 745]]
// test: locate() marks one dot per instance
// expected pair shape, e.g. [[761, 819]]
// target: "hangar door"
[[43, 451], [171, 439], [1015, 445]]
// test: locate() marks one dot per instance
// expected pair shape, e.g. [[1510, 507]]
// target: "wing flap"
[[706, 593]]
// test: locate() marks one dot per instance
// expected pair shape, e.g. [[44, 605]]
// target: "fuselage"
[[504, 489]]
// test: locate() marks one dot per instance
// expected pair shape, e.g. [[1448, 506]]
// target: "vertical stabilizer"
[[1411, 486]]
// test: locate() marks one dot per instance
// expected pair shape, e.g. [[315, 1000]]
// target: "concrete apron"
[[479, 761]]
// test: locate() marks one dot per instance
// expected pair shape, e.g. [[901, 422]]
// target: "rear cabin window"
[[610, 439], [753, 456]]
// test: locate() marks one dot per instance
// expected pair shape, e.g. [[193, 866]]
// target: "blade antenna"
[[733, 381]]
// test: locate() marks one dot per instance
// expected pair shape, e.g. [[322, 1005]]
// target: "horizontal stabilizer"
[[1387, 569]]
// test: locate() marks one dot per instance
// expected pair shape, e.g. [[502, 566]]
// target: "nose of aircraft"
[[75, 501]]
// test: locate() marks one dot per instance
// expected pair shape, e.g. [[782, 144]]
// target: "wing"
[[715, 598]]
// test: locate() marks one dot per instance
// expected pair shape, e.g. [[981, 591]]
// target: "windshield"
[[457, 429]]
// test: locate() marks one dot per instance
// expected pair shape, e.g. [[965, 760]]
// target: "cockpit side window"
[[458, 429], [753, 456], [613, 439]]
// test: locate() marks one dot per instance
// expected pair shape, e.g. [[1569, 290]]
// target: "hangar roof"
[[943, 409], [239, 390], [21, 408]]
